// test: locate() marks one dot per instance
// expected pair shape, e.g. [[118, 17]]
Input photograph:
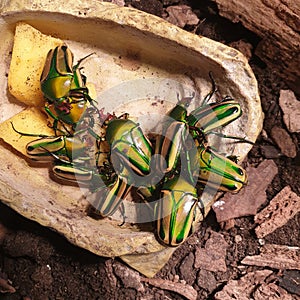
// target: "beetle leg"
[[212, 91], [239, 139], [198, 135], [122, 209], [56, 120], [81, 60]]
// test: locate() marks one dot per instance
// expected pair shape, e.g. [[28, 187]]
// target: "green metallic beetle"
[[129, 146], [64, 87], [60, 79], [76, 158], [219, 172], [176, 211], [92, 177], [77, 148], [65, 147], [211, 116], [215, 170], [175, 132], [108, 200]]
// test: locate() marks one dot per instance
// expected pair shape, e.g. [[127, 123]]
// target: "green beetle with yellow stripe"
[[129, 146], [64, 87], [210, 168], [175, 211]]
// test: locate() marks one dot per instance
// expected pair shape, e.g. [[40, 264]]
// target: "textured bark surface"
[[280, 257], [277, 22], [281, 209]]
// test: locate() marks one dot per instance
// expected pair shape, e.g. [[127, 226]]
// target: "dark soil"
[[42, 265]]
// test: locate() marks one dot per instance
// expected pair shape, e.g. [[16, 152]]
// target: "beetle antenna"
[[212, 91], [81, 60], [27, 134]]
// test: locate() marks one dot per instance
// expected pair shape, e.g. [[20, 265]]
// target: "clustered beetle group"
[[111, 154]]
